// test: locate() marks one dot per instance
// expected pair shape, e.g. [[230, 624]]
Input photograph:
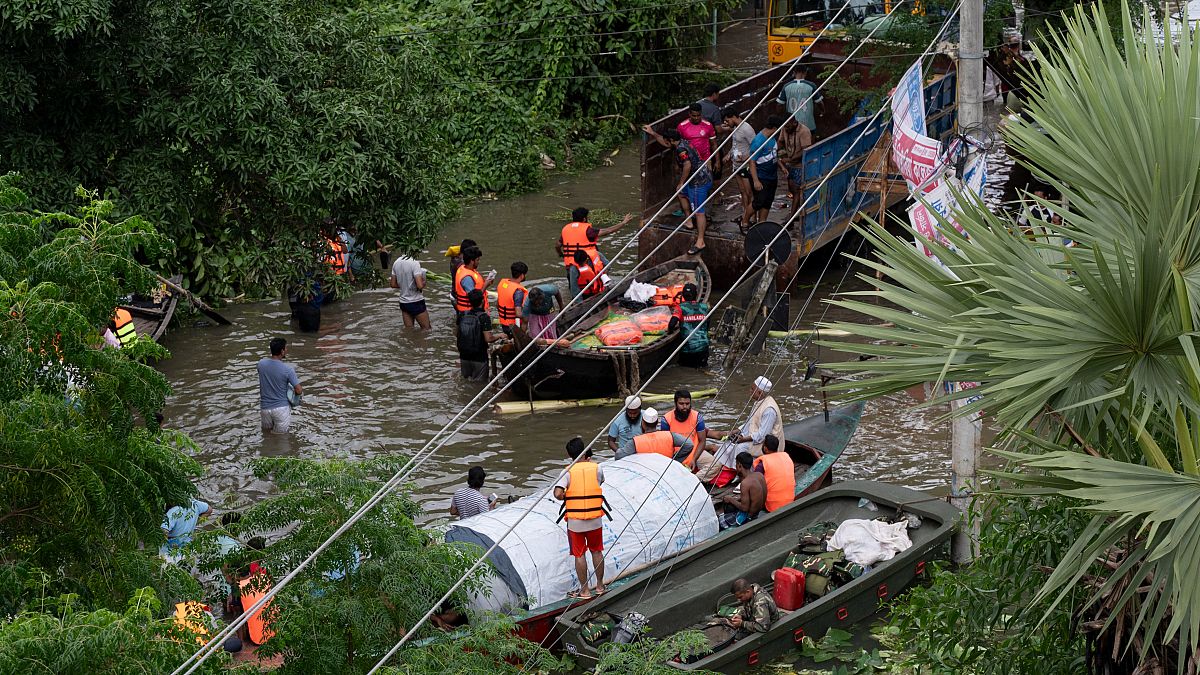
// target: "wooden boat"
[[814, 443], [152, 314], [691, 587], [574, 372]]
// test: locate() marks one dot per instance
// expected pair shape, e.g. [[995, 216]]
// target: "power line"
[[408, 634]]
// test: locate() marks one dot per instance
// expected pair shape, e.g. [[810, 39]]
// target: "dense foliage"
[[85, 471], [246, 128], [1081, 335]]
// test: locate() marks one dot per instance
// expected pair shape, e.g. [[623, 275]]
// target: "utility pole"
[[965, 430]]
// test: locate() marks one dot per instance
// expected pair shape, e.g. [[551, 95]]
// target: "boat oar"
[[512, 407], [200, 304]]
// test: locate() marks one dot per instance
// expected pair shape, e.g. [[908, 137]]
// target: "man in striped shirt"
[[469, 501]]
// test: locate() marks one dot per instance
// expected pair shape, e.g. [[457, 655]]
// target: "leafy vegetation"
[[251, 130], [649, 656], [1081, 336], [85, 471]]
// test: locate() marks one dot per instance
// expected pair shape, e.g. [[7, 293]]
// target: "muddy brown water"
[[374, 388]]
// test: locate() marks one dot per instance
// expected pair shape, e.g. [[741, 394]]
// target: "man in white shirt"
[[409, 277]]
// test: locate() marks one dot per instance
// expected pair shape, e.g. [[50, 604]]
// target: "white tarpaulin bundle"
[[533, 564]]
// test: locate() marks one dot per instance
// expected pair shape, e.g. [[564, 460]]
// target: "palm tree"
[[1098, 337]]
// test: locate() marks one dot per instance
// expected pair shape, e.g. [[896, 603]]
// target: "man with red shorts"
[[584, 508]]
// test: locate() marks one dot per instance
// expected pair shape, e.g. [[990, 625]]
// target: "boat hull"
[[692, 585], [153, 318], [817, 441]]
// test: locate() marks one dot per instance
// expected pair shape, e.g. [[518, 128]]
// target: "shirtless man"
[[749, 502]]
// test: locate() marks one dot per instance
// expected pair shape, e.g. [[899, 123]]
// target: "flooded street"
[[373, 388]]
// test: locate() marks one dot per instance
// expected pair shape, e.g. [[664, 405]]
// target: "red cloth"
[[592, 540], [724, 477]]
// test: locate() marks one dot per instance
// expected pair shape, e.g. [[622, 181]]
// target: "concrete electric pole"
[[965, 444]]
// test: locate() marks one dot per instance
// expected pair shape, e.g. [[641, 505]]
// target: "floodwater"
[[374, 388]]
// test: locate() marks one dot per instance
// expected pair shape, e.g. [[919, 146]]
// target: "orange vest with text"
[[780, 474], [461, 303], [506, 303], [659, 442], [687, 429]]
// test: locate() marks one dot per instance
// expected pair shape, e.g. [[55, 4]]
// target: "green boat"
[[679, 594], [814, 443]]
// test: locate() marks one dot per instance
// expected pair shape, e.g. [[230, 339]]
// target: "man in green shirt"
[[689, 316], [799, 95]]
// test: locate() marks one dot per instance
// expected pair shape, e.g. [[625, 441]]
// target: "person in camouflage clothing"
[[758, 609]]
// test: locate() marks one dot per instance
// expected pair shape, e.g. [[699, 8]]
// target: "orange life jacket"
[[506, 304], [337, 257], [259, 633], [672, 295], [574, 238], [659, 442], [461, 303], [687, 429], [123, 327], [586, 274], [780, 474], [584, 498]]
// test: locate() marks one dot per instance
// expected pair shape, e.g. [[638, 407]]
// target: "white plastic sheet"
[[867, 542], [645, 493]]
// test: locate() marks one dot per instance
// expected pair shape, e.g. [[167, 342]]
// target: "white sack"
[[867, 542], [537, 549]]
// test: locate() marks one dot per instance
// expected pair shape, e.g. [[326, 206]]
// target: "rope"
[[408, 635]]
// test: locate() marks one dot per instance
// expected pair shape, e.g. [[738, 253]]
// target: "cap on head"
[[691, 292], [650, 416], [633, 402], [763, 384]]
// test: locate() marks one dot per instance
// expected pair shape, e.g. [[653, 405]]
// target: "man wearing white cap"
[[764, 419], [625, 427], [652, 440]]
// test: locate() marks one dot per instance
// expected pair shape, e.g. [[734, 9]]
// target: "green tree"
[[85, 471], [1099, 334], [70, 640], [649, 656], [356, 600]]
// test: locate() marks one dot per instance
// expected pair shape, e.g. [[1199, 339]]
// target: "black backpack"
[[470, 334]]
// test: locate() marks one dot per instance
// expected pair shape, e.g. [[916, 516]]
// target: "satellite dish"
[[765, 234]]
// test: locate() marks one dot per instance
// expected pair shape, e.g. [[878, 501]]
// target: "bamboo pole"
[[514, 407], [800, 332]]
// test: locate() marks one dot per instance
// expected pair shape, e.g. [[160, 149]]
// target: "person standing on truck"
[[764, 168], [695, 181], [741, 136], [798, 97], [794, 139]]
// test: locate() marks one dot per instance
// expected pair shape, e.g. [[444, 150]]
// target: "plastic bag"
[[653, 320], [640, 292], [669, 296], [619, 333]]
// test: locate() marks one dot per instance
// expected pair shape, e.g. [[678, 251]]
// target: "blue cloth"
[[573, 280], [623, 430], [696, 194], [765, 156], [274, 379], [339, 573], [180, 523], [548, 292], [467, 284]]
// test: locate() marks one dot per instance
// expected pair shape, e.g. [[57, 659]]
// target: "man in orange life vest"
[[510, 297], [687, 422], [780, 473], [467, 278], [584, 508], [581, 274], [580, 235], [666, 443]]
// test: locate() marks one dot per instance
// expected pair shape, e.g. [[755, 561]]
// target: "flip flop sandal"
[[696, 251], [678, 213], [578, 595]]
